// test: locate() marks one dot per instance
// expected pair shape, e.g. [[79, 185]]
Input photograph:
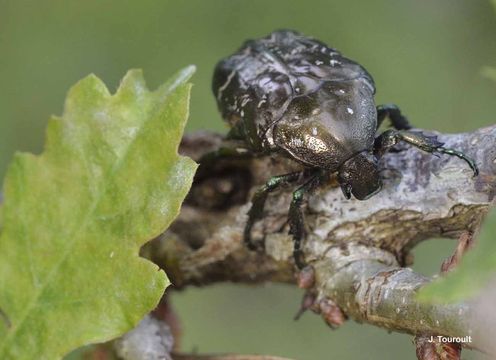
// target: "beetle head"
[[359, 176]]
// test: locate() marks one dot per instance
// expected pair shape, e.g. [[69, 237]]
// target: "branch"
[[358, 249]]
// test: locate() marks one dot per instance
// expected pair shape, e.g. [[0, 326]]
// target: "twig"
[[359, 249]]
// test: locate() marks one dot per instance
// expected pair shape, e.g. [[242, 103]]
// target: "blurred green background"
[[425, 55]]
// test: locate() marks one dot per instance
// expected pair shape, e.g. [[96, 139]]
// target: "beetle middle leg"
[[258, 202], [296, 219], [393, 112], [424, 142]]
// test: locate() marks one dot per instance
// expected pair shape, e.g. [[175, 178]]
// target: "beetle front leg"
[[296, 219], [258, 202], [393, 112], [424, 142]]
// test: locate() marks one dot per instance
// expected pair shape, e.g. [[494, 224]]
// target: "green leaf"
[[75, 217], [476, 269]]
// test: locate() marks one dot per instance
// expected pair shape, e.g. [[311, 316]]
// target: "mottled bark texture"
[[359, 249]]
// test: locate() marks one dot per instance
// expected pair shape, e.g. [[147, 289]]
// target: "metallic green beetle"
[[293, 95]]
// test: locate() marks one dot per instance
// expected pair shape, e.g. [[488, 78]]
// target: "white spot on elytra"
[[350, 110], [318, 62], [297, 142], [245, 101], [333, 62]]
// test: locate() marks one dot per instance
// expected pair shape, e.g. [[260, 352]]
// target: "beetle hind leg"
[[258, 202], [424, 142]]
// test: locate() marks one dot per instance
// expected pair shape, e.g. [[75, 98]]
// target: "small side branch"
[[371, 287]]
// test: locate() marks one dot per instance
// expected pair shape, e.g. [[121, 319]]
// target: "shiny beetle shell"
[[291, 92]]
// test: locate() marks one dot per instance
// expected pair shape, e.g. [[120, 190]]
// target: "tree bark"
[[359, 250]]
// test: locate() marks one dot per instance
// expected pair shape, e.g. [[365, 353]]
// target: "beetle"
[[290, 94]]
